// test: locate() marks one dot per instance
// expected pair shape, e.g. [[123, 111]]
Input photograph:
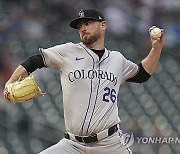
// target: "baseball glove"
[[24, 90]]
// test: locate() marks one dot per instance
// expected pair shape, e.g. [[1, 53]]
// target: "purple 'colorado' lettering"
[[92, 74], [101, 74]]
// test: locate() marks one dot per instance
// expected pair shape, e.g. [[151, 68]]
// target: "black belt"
[[93, 137]]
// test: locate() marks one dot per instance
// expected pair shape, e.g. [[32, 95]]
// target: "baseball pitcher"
[[91, 76]]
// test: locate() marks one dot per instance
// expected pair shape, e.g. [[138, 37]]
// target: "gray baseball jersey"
[[90, 86]]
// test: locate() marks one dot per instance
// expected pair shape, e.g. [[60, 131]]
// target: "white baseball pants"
[[109, 145]]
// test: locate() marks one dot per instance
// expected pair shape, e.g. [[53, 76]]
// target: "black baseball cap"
[[90, 14]]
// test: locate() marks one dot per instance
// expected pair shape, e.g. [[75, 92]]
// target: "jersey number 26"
[[109, 95]]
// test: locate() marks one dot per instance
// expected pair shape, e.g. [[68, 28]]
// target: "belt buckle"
[[83, 140], [89, 139], [86, 138]]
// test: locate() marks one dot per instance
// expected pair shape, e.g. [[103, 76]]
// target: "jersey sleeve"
[[129, 69], [53, 57]]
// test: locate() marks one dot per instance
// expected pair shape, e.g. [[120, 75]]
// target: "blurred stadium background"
[[148, 109]]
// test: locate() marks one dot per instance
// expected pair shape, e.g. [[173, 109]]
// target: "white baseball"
[[155, 32]]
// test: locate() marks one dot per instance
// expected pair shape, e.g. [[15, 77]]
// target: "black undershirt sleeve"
[[141, 76], [36, 61], [33, 63]]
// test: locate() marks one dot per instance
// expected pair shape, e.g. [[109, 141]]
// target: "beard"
[[89, 39]]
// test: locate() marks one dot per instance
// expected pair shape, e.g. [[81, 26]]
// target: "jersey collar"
[[95, 56]]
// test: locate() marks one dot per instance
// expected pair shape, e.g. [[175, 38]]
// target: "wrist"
[[155, 49], [7, 83]]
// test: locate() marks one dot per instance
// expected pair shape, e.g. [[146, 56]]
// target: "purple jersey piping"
[[96, 94], [44, 60], [89, 102]]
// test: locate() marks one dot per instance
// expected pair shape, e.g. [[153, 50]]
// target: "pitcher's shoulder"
[[73, 45], [116, 53]]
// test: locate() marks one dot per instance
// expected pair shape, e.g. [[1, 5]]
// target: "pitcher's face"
[[89, 31]]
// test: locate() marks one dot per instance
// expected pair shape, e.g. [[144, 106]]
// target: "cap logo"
[[81, 13], [100, 18]]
